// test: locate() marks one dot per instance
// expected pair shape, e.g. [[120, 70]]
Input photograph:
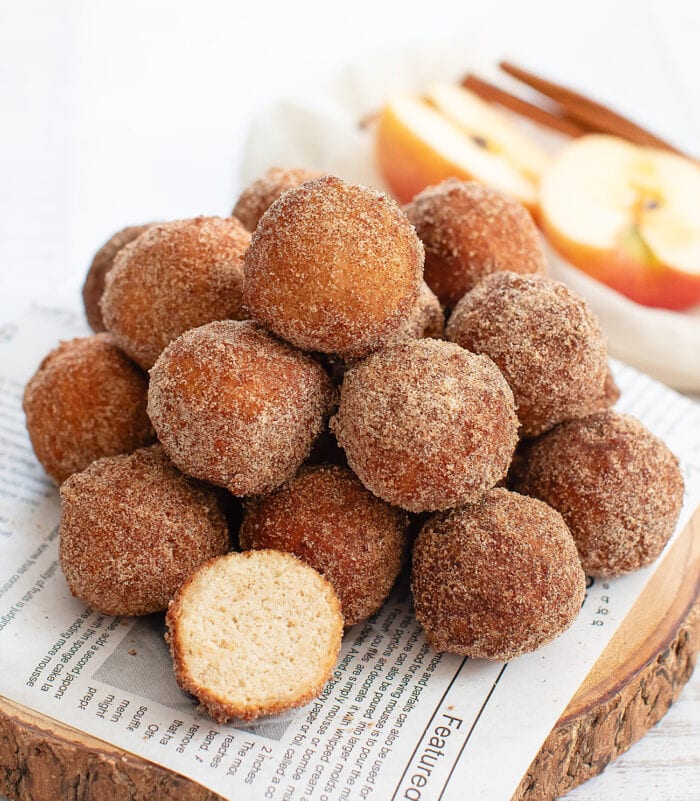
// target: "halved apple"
[[452, 133], [627, 215]]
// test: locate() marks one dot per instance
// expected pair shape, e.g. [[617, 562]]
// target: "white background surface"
[[119, 113]]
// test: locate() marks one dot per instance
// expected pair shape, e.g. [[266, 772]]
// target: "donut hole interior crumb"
[[258, 630]]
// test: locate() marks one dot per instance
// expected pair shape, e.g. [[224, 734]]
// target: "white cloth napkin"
[[319, 130]]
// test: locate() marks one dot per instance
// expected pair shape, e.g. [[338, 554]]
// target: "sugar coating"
[[426, 425], [333, 267], [427, 319], [234, 406], [497, 578], [326, 518], [545, 340], [102, 263], [610, 396], [618, 487], [133, 528], [86, 400], [470, 231], [257, 198], [174, 277], [253, 634]]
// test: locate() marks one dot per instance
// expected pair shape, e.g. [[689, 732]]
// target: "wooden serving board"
[[629, 689]]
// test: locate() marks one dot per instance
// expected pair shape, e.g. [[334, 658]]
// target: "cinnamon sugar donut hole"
[[234, 406], [85, 401], [174, 277], [133, 528], [333, 267], [545, 340], [618, 487], [326, 518], [426, 425], [257, 198], [102, 263], [254, 633], [497, 578], [470, 231]]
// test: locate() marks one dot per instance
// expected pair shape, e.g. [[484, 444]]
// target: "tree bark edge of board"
[[585, 746]]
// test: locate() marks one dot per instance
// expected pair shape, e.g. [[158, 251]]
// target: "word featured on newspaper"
[[396, 720]]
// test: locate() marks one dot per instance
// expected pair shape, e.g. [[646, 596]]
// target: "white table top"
[[115, 113]]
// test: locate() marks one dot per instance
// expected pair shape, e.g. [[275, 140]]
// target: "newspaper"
[[395, 721]]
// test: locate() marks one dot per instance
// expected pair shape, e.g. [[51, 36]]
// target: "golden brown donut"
[[333, 267], [86, 401], [133, 528], [174, 277], [234, 406], [545, 340], [470, 231], [426, 425], [497, 578], [101, 264], [257, 198], [326, 518], [618, 487]]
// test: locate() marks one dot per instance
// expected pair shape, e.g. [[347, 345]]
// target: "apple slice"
[[480, 120], [453, 134], [627, 215]]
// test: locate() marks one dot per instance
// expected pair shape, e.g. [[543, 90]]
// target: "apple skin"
[[648, 282], [408, 164]]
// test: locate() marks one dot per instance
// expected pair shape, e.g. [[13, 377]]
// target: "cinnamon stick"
[[588, 112], [494, 94]]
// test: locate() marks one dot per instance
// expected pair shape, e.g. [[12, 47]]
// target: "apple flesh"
[[628, 216], [481, 122], [452, 133]]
